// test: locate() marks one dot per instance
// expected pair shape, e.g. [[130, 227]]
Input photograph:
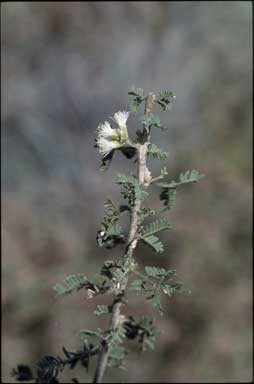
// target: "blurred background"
[[68, 66]]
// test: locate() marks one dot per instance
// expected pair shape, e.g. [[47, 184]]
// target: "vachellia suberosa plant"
[[122, 277]]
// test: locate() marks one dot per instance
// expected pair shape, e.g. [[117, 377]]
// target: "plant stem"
[[131, 245]]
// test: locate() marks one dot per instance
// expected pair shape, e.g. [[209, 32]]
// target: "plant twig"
[[131, 245], [153, 180]]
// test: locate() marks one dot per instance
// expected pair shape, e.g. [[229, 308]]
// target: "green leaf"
[[110, 234], [145, 212], [119, 275], [138, 98], [136, 92], [116, 357], [117, 336], [136, 285], [101, 309], [168, 196], [132, 189], [166, 106], [154, 242], [184, 178], [166, 94], [143, 329], [190, 176], [88, 332], [148, 343], [71, 283], [168, 193], [171, 185], [105, 161], [157, 153], [155, 271], [115, 231], [156, 226], [151, 120], [114, 353], [171, 289], [86, 335], [157, 304], [163, 99], [164, 172], [111, 209]]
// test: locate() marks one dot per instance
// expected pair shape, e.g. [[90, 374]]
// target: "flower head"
[[105, 130], [107, 145], [121, 118], [109, 138]]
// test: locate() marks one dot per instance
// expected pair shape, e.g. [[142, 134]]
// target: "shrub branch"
[[142, 171]]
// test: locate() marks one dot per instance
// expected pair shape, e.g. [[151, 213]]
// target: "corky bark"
[[143, 178]]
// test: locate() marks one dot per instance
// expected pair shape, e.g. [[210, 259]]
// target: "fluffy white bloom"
[[107, 145], [109, 138], [105, 130], [121, 118]]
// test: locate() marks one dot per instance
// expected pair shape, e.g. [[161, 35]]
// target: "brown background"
[[65, 68]]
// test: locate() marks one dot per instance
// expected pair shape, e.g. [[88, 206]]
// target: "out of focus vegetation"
[[65, 66]]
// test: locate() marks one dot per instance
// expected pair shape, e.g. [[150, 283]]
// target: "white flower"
[[121, 118], [109, 138], [105, 130], [107, 145]]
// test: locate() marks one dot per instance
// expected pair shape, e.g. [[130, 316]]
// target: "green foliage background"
[[65, 66]]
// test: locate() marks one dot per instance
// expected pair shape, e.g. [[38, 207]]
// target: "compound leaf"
[[155, 227], [101, 309], [157, 153], [154, 242]]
